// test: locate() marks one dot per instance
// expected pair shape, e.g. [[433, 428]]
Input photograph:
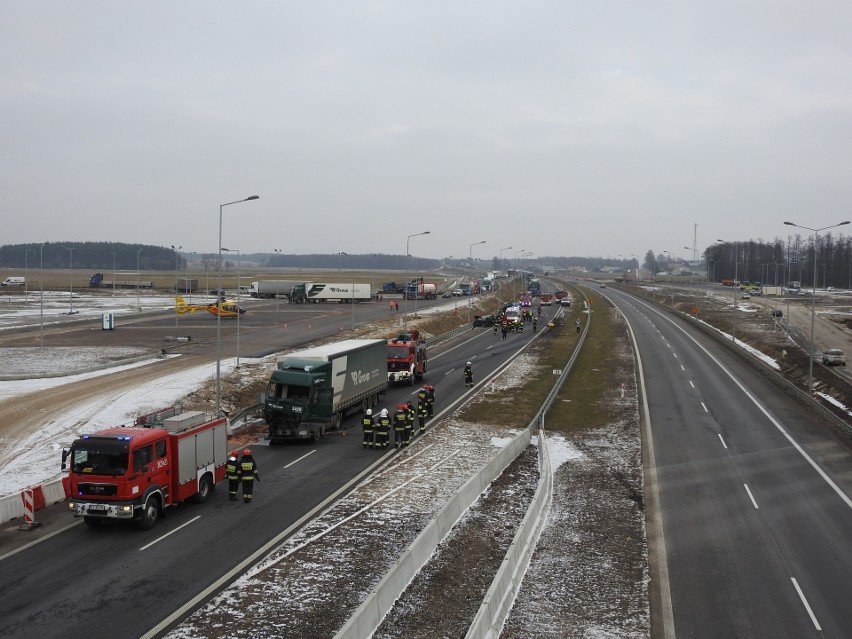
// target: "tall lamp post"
[[500, 258], [470, 289], [736, 286], [138, 252], [219, 315], [27, 276], [177, 276], [277, 284], [813, 297], [408, 265], [237, 251], [41, 296], [70, 250], [352, 290], [515, 264], [113, 272]]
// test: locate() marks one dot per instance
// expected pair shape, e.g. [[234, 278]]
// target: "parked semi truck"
[[325, 292], [406, 358], [272, 288], [134, 473], [311, 390], [421, 290]]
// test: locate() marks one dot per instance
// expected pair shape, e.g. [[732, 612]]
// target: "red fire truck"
[[133, 473], [406, 358]]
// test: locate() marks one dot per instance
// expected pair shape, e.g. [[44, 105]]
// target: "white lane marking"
[[449, 371], [171, 532], [721, 439], [806, 604], [296, 461], [704, 407], [691, 384], [750, 496], [682, 368], [41, 539]]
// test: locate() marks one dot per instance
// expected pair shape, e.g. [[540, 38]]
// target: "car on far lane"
[[833, 357], [483, 320]]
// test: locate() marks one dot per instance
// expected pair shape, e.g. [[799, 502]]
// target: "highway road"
[[753, 493], [115, 581]]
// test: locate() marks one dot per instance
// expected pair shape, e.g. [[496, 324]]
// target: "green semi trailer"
[[311, 390]]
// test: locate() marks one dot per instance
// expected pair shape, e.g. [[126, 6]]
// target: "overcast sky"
[[562, 128]]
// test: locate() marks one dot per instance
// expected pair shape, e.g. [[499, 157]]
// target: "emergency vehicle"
[[135, 472], [406, 358]]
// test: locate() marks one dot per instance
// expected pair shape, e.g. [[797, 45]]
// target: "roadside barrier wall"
[[12, 506], [370, 613]]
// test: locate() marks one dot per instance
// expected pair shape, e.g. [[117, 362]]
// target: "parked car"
[[776, 312], [483, 320], [446, 294], [833, 356], [565, 301]]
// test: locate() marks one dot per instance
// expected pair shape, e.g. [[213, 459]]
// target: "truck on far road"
[[134, 473], [311, 390], [325, 292], [421, 290], [272, 288]]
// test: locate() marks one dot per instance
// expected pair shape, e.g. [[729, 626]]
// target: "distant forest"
[[106, 256]]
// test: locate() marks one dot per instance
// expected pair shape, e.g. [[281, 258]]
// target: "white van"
[[14, 281]]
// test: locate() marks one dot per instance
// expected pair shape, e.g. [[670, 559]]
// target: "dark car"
[[483, 320], [776, 312]]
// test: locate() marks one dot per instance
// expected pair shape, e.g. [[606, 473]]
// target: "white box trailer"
[[326, 292]]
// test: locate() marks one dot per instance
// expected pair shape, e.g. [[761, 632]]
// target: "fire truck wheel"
[[92, 522], [205, 488], [149, 515]]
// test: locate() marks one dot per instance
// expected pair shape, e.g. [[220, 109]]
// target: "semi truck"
[[311, 390], [325, 292], [134, 473], [406, 355], [421, 290], [272, 288]]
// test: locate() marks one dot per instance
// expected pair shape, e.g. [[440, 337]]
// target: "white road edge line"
[[691, 384], [703, 405], [171, 532], [806, 604], [722, 440], [40, 539], [296, 461], [750, 496]]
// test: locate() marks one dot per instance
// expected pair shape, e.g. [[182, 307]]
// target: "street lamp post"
[[219, 315], [405, 286], [813, 297], [277, 284], [177, 276], [237, 251], [736, 287], [113, 272], [470, 286], [500, 258], [71, 275], [352, 290], [41, 296], [515, 264], [27, 276], [138, 252]]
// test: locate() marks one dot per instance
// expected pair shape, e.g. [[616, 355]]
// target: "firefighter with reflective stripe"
[[400, 422], [468, 375], [409, 425], [496, 324], [383, 426], [535, 324], [248, 472], [367, 425], [232, 473], [430, 399], [422, 412]]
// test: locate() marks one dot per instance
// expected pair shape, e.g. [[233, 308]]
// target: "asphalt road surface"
[[115, 581], [753, 493]]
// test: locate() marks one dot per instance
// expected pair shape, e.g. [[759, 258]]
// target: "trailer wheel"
[[205, 488], [149, 515], [336, 421], [92, 522]]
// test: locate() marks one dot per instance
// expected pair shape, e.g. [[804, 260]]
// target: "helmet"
[[384, 412], [235, 453], [468, 363], [402, 406], [246, 451], [232, 457], [369, 411]]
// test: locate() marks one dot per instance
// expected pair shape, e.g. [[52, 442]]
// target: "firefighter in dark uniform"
[[367, 425], [535, 324], [430, 400], [232, 473], [422, 410], [400, 421], [496, 324], [383, 430], [248, 473], [409, 425], [468, 375]]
